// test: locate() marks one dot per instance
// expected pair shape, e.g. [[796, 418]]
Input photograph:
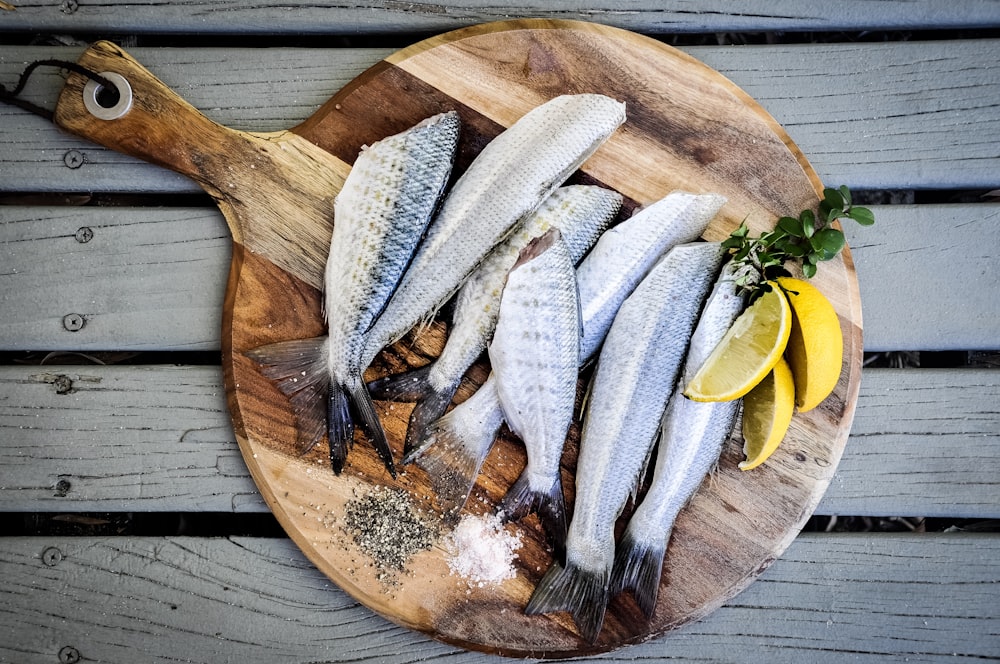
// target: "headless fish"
[[581, 213], [636, 372], [453, 448], [503, 185], [534, 355], [380, 215], [691, 439]]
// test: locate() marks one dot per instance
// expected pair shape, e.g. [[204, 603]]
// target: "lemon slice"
[[748, 351], [767, 412], [816, 346]]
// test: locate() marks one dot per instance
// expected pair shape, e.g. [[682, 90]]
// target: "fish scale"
[[453, 447], [504, 184], [534, 356], [636, 371], [691, 439], [380, 215], [581, 213]]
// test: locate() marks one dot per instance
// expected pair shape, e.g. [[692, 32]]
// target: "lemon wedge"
[[747, 353], [767, 412], [815, 346]]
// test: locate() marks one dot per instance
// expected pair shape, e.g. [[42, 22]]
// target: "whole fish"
[[534, 355], [635, 374], [503, 185], [581, 213], [453, 448], [691, 439], [380, 215]]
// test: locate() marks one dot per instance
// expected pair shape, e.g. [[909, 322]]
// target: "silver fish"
[[636, 372], [581, 213], [455, 446], [380, 214], [534, 356], [626, 253], [509, 178], [691, 439]]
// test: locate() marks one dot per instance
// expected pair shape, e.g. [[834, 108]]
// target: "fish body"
[[534, 356], [636, 372], [380, 215], [454, 446], [691, 439], [626, 253], [581, 213], [503, 185]]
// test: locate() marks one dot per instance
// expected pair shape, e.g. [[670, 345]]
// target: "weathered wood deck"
[[917, 113]]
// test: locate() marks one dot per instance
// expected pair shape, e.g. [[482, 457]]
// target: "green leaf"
[[791, 226], [833, 198], [846, 194], [808, 223], [862, 215], [809, 270], [829, 241]]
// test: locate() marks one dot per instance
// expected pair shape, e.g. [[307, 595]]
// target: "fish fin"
[[638, 567], [414, 385], [340, 426], [521, 499], [584, 593], [427, 411], [409, 385], [298, 368], [450, 461], [364, 408]]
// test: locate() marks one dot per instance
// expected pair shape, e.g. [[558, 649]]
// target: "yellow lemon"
[[767, 412], [748, 351], [815, 347]]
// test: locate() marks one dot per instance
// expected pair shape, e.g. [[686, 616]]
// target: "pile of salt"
[[481, 551]]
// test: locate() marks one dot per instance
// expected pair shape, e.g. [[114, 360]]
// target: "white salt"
[[481, 551]]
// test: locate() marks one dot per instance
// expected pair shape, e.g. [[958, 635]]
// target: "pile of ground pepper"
[[389, 527]]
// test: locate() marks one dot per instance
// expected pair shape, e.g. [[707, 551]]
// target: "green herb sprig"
[[808, 238]]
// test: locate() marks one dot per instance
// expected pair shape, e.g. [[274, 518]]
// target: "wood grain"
[[688, 128], [153, 278], [300, 17], [924, 443], [275, 189], [916, 598], [893, 138]]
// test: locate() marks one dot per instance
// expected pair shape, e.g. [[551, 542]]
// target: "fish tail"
[[409, 385], [584, 593], [340, 426], [638, 567], [364, 408], [522, 499], [427, 411], [298, 368], [451, 461], [415, 385]]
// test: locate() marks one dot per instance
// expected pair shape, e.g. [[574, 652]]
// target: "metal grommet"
[[120, 108]]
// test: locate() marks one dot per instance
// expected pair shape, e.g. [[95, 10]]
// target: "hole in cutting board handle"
[[105, 103]]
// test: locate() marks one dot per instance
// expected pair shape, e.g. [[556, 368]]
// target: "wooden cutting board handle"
[[275, 189]]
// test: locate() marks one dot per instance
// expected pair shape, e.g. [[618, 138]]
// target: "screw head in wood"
[[74, 159], [73, 322], [51, 556], [69, 655], [84, 234]]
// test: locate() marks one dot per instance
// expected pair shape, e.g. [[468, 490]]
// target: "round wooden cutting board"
[[688, 128]]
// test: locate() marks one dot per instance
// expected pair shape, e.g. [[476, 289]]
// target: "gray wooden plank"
[[304, 17], [154, 278], [829, 598], [924, 443], [905, 115], [144, 278]]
